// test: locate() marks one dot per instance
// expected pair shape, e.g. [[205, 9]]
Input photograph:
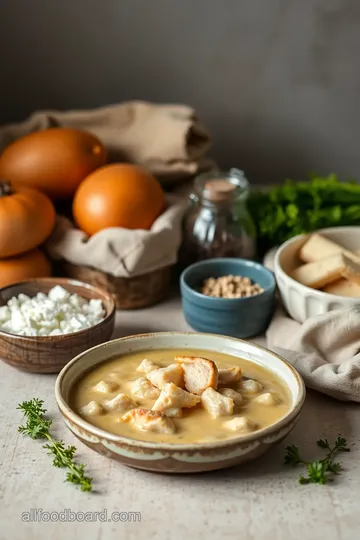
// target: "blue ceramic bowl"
[[238, 317]]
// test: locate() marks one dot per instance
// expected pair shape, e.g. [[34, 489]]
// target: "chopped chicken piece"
[[216, 404], [160, 377], [148, 420], [241, 424], [266, 399], [229, 392], [144, 389], [146, 366], [173, 413], [229, 375], [199, 373], [250, 387], [93, 408], [172, 397], [121, 403], [106, 387]]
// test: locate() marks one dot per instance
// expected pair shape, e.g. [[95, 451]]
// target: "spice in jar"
[[217, 223], [230, 287]]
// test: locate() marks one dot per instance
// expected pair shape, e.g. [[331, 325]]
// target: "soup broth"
[[196, 424]]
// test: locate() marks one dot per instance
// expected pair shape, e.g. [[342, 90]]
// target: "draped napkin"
[[324, 349], [121, 252], [169, 140]]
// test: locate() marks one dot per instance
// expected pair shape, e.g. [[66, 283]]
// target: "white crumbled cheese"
[[4, 313], [54, 314], [58, 293]]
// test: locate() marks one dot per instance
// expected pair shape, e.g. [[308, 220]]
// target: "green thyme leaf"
[[38, 427]]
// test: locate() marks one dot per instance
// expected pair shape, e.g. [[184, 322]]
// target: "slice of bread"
[[351, 271], [199, 373], [343, 287], [318, 247], [320, 273]]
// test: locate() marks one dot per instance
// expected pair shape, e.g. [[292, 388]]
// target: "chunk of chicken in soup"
[[180, 396]]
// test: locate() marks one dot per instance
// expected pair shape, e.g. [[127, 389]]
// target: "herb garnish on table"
[[38, 427], [319, 471]]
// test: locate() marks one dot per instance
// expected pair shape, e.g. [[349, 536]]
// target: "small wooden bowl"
[[49, 354]]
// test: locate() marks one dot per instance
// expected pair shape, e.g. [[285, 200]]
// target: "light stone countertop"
[[259, 501]]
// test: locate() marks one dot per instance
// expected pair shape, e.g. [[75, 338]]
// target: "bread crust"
[[319, 247], [321, 273], [199, 373], [343, 287]]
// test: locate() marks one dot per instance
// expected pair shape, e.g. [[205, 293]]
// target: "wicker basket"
[[128, 293]]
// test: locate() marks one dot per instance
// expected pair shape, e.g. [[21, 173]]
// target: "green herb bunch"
[[318, 471], [38, 427], [301, 207]]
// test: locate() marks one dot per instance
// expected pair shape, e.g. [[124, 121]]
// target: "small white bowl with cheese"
[[319, 272]]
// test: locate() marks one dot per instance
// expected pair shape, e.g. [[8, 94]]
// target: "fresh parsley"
[[320, 471], [38, 427], [292, 208]]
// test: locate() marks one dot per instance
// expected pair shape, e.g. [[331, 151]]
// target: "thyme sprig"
[[38, 427]]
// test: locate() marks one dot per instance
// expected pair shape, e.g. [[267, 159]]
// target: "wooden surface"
[[262, 500]]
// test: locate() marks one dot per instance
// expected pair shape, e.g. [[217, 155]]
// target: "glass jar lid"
[[220, 187]]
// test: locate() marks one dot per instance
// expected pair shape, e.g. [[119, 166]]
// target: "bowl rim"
[[101, 434], [278, 269], [62, 282], [244, 262]]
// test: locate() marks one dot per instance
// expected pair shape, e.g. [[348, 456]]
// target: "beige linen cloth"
[[169, 140], [324, 349], [121, 252]]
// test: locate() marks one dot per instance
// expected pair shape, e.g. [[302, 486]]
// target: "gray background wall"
[[277, 81]]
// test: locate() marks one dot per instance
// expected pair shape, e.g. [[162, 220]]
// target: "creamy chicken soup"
[[170, 396]]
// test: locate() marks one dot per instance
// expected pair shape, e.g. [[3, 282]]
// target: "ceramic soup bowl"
[[179, 458]]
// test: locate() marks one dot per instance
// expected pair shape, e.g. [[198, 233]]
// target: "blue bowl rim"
[[244, 262]]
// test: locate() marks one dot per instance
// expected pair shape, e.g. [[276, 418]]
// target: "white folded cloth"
[[324, 349], [121, 252]]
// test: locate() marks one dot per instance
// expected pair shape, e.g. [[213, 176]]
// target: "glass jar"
[[217, 223]]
